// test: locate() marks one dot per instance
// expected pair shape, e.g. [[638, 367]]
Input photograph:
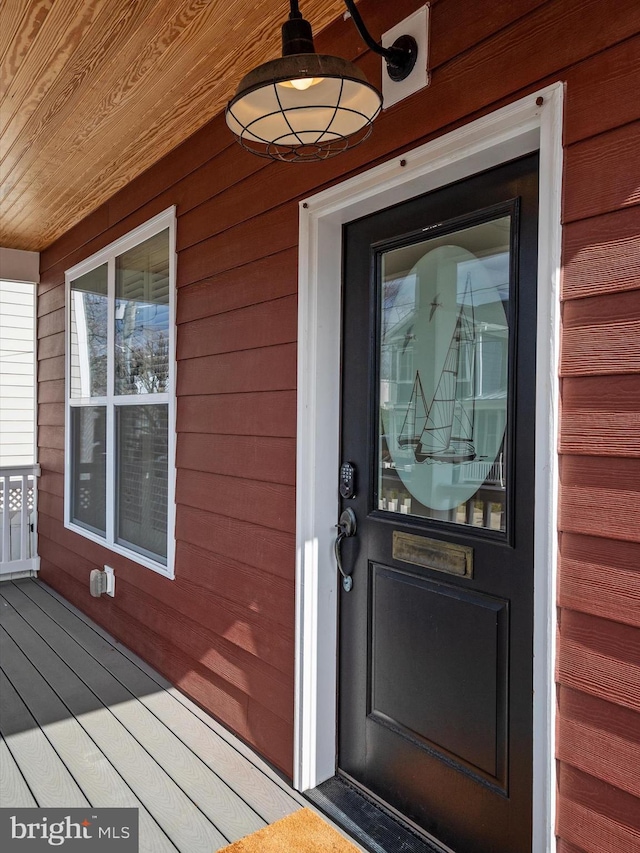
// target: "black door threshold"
[[374, 827]]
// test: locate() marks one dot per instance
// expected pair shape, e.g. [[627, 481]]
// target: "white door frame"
[[532, 123]]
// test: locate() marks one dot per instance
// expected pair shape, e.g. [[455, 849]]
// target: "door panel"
[[461, 718], [438, 399]]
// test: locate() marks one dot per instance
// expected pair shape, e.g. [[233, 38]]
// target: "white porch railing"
[[18, 507], [492, 474]]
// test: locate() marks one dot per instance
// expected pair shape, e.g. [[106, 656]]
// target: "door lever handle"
[[346, 528]]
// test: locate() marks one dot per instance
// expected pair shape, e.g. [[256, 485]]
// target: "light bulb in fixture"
[[302, 83]]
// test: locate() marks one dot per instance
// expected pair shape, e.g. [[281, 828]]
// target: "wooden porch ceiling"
[[94, 92]]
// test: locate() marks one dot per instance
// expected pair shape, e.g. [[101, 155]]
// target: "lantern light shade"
[[303, 107]]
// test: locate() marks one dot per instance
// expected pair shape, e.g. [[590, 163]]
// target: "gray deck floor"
[[84, 722]]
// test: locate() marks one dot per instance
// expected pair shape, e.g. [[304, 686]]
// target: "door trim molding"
[[529, 124]]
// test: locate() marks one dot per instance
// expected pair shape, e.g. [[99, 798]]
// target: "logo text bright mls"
[[54, 833], [70, 830]]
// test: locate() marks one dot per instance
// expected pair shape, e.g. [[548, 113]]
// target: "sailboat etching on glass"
[[442, 431], [444, 342]]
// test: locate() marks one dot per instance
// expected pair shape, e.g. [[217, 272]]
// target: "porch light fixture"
[[306, 106]]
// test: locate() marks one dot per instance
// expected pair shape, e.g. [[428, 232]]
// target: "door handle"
[[346, 528]]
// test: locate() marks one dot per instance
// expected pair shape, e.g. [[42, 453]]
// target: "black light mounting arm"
[[296, 33], [400, 57]]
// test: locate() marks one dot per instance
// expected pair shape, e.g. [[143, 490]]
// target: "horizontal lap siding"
[[223, 630], [598, 666]]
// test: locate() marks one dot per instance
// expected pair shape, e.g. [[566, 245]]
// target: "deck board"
[[157, 695], [100, 781], [166, 801], [86, 722], [46, 775], [13, 787], [219, 803]]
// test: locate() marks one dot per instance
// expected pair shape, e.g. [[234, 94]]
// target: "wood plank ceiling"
[[93, 92]]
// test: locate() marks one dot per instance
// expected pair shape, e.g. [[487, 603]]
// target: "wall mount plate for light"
[[416, 25]]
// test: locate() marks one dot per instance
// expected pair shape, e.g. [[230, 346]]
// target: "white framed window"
[[120, 395]]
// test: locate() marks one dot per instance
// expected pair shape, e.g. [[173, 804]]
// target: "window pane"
[[142, 318], [88, 471], [142, 479], [89, 334], [444, 347]]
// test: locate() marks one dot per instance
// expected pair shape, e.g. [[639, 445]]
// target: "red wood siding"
[[598, 667], [224, 629]]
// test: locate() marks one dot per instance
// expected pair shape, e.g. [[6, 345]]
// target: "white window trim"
[[161, 222], [531, 123]]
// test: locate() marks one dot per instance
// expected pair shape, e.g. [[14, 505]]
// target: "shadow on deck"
[[84, 722]]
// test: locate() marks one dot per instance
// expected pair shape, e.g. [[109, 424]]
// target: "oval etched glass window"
[[444, 352]]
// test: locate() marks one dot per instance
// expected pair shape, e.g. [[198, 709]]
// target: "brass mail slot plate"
[[433, 554]]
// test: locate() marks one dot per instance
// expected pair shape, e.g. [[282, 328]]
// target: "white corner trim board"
[[532, 123]]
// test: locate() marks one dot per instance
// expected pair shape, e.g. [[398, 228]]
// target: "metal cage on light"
[[307, 106]]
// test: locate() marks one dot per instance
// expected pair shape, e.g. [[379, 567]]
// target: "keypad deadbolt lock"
[[347, 480]]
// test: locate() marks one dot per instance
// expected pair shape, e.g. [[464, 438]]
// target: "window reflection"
[[88, 445], [142, 318], [444, 376], [142, 478], [88, 335]]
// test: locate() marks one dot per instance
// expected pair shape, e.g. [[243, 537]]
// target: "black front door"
[[436, 653]]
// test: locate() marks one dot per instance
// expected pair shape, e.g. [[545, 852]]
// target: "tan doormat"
[[300, 832]]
